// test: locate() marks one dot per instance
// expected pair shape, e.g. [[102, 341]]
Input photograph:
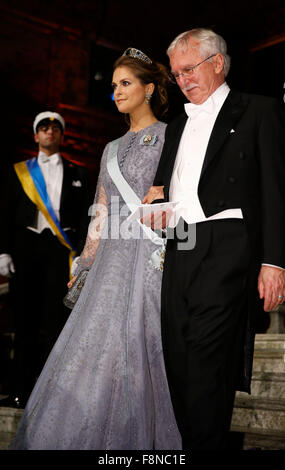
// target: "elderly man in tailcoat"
[[224, 162]]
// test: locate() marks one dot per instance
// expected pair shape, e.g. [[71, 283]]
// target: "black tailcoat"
[[244, 167]]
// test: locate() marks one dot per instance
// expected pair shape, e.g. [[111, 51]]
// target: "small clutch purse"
[[74, 292]]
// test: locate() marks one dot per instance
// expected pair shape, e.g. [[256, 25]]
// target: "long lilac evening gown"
[[104, 384]]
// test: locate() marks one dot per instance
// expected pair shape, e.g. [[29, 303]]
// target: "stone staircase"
[[259, 418]]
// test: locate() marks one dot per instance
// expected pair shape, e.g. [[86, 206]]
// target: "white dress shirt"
[[190, 158], [52, 170]]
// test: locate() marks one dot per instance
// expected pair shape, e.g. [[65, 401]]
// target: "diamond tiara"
[[137, 54]]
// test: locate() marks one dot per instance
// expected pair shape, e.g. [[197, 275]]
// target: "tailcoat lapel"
[[66, 182], [230, 113], [171, 149]]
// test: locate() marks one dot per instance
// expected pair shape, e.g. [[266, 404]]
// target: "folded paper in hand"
[[146, 209]]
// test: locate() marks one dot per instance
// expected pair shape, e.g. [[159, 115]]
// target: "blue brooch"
[[148, 139]]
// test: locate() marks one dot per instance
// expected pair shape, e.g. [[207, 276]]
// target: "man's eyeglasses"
[[53, 127], [187, 72]]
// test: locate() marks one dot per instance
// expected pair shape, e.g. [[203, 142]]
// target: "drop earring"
[[148, 97]]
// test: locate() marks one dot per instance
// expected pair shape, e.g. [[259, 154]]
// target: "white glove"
[[6, 265]]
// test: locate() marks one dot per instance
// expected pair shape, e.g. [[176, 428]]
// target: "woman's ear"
[[150, 88]]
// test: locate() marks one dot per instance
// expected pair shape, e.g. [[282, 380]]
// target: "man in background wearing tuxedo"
[[44, 224], [223, 160]]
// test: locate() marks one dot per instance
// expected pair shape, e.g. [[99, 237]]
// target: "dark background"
[[51, 50], [58, 55]]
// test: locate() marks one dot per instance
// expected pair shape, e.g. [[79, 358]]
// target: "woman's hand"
[[71, 282], [155, 192], [158, 220]]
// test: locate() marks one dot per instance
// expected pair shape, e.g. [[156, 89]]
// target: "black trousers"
[[37, 290], [204, 311]]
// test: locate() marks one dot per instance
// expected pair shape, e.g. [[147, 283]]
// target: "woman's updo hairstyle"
[[148, 71]]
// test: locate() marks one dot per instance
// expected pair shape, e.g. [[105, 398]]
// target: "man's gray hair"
[[210, 43]]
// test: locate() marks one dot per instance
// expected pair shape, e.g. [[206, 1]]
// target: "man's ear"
[[219, 63], [36, 139]]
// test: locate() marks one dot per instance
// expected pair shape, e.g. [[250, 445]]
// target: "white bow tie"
[[52, 160], [193, 110]]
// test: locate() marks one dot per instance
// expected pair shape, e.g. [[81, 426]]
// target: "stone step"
[[5, 439], [259, 419], [269, 360], [267, 341], [269, 353], [268, 385], [9, 419], [255, 413], [262, 439]]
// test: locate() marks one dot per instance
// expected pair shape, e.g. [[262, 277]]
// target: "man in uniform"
[[44, 225]]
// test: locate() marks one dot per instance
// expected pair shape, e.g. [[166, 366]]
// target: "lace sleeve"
[[98, 212]]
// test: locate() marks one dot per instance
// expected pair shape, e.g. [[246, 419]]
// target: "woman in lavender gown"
[[104, 384]]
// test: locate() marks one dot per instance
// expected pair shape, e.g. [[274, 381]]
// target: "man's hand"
[[271, 286], [155, 192]]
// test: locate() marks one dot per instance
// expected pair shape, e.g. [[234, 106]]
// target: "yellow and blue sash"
[[33, 183]]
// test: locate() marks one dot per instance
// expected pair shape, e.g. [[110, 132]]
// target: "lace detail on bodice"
[[138, 164]]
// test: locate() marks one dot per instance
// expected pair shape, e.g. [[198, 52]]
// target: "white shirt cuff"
[[273, 266]]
